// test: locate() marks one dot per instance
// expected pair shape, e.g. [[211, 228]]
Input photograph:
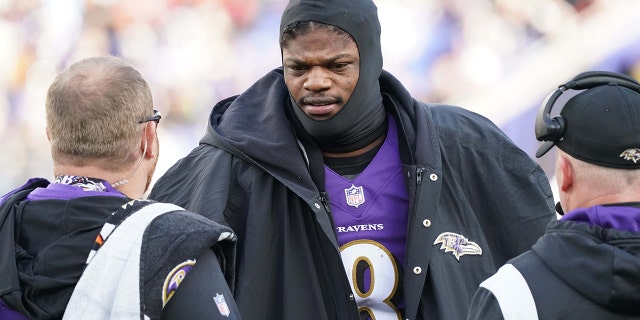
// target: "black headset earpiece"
[[548, 128], [552, 128]]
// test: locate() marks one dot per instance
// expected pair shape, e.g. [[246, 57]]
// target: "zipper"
[[419, 172], [325, 203]]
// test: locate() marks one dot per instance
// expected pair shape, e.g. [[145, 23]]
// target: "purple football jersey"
[[370, 215]]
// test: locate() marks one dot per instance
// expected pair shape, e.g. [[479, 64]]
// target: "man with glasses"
[[87, 243]]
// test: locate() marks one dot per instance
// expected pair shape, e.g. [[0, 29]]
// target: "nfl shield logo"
[[222, 305], [354, 195]]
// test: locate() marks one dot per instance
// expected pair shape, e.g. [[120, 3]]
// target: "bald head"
[[583, 184]]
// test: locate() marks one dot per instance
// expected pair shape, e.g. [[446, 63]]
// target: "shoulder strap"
[[113, 221], [109, 287], [513, 294]]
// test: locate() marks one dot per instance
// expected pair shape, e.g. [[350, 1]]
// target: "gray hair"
[[93, 111]]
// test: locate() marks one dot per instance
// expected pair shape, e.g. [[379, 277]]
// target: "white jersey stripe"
[[513, 294]]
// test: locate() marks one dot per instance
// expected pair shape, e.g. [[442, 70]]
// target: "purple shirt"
[[7, 313], [370, 215], [617, 216], [72, 187]]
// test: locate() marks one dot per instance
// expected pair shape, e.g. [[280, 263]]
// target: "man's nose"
[[318, 79]]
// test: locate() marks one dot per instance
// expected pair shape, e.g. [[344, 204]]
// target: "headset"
[[553, 128]]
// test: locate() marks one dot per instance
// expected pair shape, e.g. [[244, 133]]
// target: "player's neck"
[[358, 152]]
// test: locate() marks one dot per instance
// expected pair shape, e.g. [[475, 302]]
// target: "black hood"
[[255, 127], [42, 262], [600, 263], [362, 119]]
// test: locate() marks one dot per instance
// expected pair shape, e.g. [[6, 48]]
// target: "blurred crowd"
[[196, 52]]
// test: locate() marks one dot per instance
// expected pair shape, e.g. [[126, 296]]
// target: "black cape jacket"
[[463, 176]]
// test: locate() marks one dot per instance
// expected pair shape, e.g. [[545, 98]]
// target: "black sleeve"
[[203, 294], [484, 306]]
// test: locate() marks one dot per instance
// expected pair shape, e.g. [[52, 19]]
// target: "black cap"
[[602, 127]]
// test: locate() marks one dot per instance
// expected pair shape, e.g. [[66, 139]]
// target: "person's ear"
[[566, 173], [149, 146], [48, 136]]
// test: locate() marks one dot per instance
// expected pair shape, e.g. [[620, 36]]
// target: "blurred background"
[[499, 58]]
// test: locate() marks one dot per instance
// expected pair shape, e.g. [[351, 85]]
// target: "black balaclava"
[[362, 119]]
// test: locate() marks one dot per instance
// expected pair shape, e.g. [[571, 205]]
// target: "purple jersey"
[[370, 215]]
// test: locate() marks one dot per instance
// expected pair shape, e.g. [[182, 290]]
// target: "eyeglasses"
[[155, 117]]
